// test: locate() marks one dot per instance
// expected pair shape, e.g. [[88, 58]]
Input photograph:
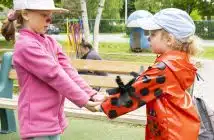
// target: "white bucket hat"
[[37, 5], [173, 20]]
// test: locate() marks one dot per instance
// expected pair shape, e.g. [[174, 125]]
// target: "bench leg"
[[8, 122]]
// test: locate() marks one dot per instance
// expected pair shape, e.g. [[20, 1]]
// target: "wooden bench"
[[8, 75]]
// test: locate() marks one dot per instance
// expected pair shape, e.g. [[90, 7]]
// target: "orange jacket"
[[162, 87]]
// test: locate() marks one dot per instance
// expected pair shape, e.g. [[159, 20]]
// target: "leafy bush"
[[205, 29]]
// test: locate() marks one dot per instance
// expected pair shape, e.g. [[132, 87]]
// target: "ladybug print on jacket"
[[162, 88]]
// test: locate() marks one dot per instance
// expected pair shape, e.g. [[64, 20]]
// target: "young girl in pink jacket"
[[45, 74]]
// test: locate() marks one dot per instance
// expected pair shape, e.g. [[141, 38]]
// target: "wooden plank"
[[8, 103], [5, 50], [104, 81], [92, 80], [80, 113], [120, 67]]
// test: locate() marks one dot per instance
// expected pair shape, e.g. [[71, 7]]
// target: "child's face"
[[83, 50], [158, 43], [38, 20]]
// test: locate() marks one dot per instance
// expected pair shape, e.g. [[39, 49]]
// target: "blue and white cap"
[[175, 21]]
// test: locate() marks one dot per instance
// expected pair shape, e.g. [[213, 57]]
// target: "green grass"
[[131, 58], [5, 44], [208, 53], [106, 50], [114, 48], [85, 129], [121, 52]]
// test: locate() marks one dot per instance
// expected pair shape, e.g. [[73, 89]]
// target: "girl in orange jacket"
[[171, 114]]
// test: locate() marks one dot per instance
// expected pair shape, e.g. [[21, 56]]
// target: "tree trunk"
[[97, 24], [85, 20], [126, 10]]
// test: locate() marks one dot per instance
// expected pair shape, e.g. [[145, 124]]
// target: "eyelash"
[[45, 15]]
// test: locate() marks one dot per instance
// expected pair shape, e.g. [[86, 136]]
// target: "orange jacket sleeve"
[[147, 87]]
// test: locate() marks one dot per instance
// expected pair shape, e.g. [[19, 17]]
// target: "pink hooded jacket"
[[46, 78]]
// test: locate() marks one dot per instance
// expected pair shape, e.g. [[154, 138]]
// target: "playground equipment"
[[138, 37], [7, 117], [75, 36]]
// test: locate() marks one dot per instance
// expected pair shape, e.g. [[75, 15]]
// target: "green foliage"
[[92, 6], [111, 9], [186, 5], [156, 5], [205, 29], [150, 5], [7, 3], [204, 7], [195, 15], [74, 8], [111, 27], [131, 6]]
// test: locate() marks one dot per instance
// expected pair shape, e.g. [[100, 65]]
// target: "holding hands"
[[95, 102]]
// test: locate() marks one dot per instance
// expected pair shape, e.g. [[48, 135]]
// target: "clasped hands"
[[94, 104]]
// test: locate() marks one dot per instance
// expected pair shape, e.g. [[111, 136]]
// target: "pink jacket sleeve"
[[72, 72], [37, 62]]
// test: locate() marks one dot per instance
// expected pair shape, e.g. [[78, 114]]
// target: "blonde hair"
[[9, 27], [192, 46]]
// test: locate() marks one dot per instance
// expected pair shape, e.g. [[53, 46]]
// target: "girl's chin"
[[42, 32], [156, 51]]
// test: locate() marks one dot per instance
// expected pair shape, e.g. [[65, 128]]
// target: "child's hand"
[[93, 106], [99, 97]]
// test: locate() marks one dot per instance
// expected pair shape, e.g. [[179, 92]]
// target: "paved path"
[[205, 88]]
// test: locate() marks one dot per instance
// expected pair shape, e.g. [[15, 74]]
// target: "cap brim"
[[59, 10], [55, 10], [148, 24]]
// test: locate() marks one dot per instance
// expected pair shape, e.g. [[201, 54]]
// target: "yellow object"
[[69, 48]]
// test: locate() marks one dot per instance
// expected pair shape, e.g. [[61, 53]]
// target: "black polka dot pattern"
[[129, 104], [160, 79], [161, 66], [131, 89], [158, 92], [144, 91], [152, 113], [158, 133], [146, 79], [112, 114], [150, 67], [114, 101], [141, 103]]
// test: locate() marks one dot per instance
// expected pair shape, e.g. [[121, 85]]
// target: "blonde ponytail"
[[194, 46]]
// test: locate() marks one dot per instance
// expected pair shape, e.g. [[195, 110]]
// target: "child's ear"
[[24, 14], [170, 40]]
